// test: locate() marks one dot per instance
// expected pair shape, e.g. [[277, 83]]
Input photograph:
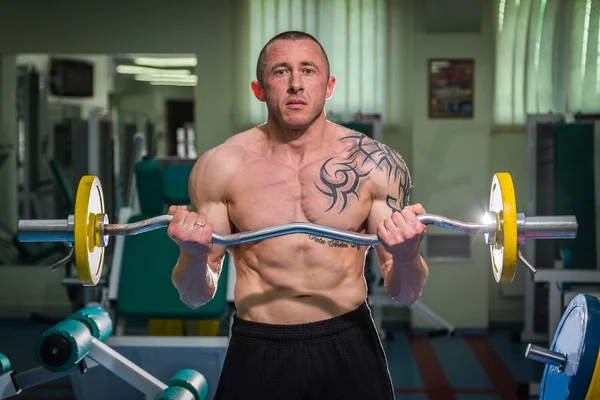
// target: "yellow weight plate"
[[593, 391], [89, 205], [504, 251]]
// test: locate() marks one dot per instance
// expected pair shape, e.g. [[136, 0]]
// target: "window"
[[583, 55], [525, 51]]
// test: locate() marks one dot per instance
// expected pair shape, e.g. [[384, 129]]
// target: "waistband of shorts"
[[301, 332]]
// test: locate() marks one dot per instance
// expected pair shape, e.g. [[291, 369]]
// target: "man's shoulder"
[[358, 144], [353, 139], [225, 159], [232, 151], [382, 164]]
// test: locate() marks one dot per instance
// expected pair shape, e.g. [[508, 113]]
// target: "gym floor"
[[470, 367]]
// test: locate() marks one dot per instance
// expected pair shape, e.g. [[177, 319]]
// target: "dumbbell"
[[572, 370]]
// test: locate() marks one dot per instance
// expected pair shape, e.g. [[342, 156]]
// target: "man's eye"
[[309, 71], [280, 72]]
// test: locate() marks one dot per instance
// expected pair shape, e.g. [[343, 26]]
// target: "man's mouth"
[[295, 102]]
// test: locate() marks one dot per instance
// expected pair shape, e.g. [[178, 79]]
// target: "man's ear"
[[330, 87], [258, 91]]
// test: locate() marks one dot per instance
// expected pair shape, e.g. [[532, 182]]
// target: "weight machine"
[[90, 146], [138, 143], [34, 183], [75, 347], [558, 170]]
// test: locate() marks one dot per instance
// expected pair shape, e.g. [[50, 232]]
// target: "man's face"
[[295, 83]]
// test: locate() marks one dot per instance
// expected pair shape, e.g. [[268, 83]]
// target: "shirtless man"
[[302, 328]]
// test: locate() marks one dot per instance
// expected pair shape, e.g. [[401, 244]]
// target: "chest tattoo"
[[339, 180], [341, 177]]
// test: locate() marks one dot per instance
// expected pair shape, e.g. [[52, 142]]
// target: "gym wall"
[[451, 161]]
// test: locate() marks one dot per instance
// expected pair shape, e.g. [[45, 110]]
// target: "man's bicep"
[[379, 212], [216, 213], [207, 199], [206, 189], [392, 187]]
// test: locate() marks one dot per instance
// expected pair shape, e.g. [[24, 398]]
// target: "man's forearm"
[[195, 281], [405, 278]]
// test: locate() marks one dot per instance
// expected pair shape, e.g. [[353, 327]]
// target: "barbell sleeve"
[[544, 355], [551, 227], [45, 230]]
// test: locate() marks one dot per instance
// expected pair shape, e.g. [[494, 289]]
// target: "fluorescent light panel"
[[134, 70], [166, 62], [168, 83], [165, 77], [173, 80]]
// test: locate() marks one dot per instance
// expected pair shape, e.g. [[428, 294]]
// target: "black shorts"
[[338, 358]]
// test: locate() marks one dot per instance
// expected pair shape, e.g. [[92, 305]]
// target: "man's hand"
[[401, 233], [191, 231]]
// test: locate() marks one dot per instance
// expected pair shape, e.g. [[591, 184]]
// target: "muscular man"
[[302, 328]]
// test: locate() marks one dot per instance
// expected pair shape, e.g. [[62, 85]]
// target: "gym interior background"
[[531, 58]]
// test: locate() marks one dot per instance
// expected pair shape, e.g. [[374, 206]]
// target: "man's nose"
[[295, 83]]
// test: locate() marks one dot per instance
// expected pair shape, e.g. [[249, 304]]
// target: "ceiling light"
[[169, 83], [166, 62], [165, 76], [134, 69]]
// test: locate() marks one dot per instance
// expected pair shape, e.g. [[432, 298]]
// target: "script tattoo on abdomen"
[[340, 178], [333, 242]]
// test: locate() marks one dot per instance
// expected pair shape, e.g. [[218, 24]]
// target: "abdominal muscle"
[[296, 279]]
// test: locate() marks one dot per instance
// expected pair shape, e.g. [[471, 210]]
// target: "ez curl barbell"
[[88, 230]]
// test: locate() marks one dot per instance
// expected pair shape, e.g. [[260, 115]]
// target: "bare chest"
[[327, 192]]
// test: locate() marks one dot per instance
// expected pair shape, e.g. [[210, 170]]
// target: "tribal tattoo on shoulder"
[[341, 177]]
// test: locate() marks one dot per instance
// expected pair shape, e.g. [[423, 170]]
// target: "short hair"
[[287, 35]]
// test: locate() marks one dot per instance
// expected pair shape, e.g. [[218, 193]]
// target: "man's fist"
[[401, 233], [191, 231]]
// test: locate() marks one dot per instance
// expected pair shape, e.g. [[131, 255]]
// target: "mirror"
[[97, 114]]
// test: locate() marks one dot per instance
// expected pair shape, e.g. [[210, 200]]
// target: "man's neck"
[[296, 143]]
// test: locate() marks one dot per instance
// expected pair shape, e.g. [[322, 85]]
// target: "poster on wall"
[[451, 84]]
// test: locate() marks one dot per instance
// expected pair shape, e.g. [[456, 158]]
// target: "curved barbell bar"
[[554, 227]]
